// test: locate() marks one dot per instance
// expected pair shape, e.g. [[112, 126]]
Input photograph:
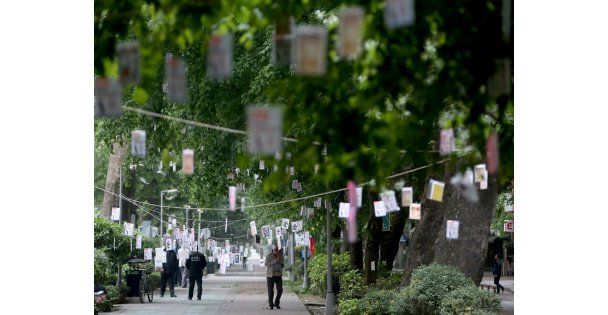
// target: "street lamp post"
[[162, 193]]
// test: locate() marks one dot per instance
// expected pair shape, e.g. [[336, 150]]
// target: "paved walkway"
[[506, 297]]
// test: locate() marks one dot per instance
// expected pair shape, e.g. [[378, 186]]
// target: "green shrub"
[[468, 299], [104, 273], [430, 284], [389, 281], [154, 280], [377, 302], [348, 307], [400, 305], [117, 295], [352, 285], [317, 271]]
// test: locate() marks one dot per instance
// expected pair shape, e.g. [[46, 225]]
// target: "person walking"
[[182, 255], [195, 264], [274, 274], [167, 271], [497, 273]]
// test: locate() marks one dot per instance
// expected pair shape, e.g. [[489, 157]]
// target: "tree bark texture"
[[119, 152], [372, 245], [390, 240], [429, 243]]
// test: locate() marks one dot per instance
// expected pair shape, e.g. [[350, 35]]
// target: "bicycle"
[[138, 279]]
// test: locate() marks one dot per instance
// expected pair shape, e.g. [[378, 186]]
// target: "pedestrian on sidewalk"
[[182, 256], [195, 264], [274, 274], [497, 273], [167, 271]]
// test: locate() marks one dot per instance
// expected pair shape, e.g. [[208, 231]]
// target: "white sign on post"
[[265, 129]]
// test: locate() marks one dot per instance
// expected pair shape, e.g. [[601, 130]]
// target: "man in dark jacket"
[[497, 273], [195, 264], [167, 273]]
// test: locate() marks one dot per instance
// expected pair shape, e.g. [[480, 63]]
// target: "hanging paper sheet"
[[407, 195], [138, 242], [138, 143], [311, 50], [265, 129], [352, 217], [128, 62], [232, 197], [446, 141], [296, 226], [108, 97], [128, 228], [188, 161], [436, 189], [452, 230], [344, 210], [350, 32], [147, 253], [379, 208], [399, 13], [285, 224], [176, 78], [415, 210], [388, 197], [115, 214], [282, 39], [219, 58]]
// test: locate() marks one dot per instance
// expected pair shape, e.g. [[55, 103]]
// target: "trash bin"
[[211, 267]]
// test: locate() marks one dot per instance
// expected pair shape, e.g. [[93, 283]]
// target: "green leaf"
[[140, 96]]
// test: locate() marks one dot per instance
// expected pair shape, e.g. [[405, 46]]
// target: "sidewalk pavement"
[[506, 297]]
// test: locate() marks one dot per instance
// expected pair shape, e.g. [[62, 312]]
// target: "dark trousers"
[[177, 277], [199, 285], [498, 286], [270, 282], [163, 283]]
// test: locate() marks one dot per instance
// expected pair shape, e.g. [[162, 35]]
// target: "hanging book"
[[452, 230], [219, 58], [282, 41], [115, 214], [188, 161], [138, 242], [128, 62], [379, 208], [388, 197], [266, 231], [176, 78], [265, 129], [492, 153], [311, 50], [350, 32], [436, 189], [446, 141], [399, 13], [108, 97], [407, 195], [415, 211], [232, 197], [344, 210], [138, 143]]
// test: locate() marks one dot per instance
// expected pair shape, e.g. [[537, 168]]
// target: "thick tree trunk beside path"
[[119, 152]]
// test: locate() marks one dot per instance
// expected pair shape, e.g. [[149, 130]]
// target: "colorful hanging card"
[[232, 197], [311, 50], [415, 210], [176, 78], [492, 153], [265, 129], [219, 57], [407, 195], [399, 13], [138, 143], [446, 141], [128, 62], [350, 32], [188, 161], [282, 39], [452, 230], [388, 197], [436, 189], [115, 214], [344, 210], [379, 208], [508, 226], [108, 97]]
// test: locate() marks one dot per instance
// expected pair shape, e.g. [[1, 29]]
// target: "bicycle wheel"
[[142, 289], [150, 291]]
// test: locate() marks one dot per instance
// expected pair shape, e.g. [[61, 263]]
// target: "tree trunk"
[[390, 240], [429, 244], [372, 245], [112, 178], [356, 254]]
